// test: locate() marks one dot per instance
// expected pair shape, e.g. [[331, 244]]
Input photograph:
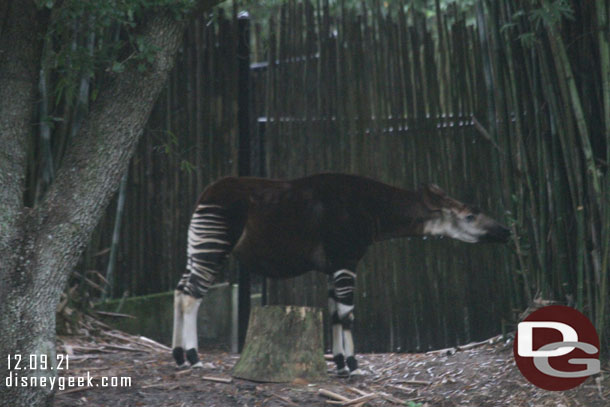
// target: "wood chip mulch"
[[480, 374]]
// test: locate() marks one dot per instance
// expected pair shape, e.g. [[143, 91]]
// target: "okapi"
[[324, 222]]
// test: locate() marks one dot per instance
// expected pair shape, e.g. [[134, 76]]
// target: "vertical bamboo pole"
[[116, 236], [562, 61], [603, 20], [243, 110]]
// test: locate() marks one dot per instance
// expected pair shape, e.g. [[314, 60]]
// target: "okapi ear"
[[435, 189], [433, 196]]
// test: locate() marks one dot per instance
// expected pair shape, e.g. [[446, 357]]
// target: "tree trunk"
[[283, 343], [19, 56], [40, 246]]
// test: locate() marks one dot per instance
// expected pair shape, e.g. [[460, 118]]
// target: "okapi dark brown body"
[[324, 222], [287, 228]]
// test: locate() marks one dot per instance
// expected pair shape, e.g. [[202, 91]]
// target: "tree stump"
[[283, 343]]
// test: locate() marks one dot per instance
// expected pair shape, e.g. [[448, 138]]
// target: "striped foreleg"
[[207, 248], [341, 308]]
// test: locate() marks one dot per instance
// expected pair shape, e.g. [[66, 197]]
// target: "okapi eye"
[[470, 218]]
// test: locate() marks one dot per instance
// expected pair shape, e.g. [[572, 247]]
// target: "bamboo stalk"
[[602, 324], [116, 235], [561, 60]]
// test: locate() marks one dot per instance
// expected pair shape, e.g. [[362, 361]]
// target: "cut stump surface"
[[283, 343]]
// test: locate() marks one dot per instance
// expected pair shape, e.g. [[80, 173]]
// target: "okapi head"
[[452, 218]]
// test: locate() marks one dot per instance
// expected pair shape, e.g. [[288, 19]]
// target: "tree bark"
[[19, 56], [283, 343], [39, 246]]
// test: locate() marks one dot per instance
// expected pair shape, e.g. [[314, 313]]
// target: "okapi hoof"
[[178, 354], [192, 357], [357, 373], [352, 363], [343, 372]]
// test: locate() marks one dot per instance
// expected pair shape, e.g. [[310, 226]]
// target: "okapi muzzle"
[[460, 221]]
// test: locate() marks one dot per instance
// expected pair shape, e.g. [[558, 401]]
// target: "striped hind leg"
[[208, 246], [341, 309]]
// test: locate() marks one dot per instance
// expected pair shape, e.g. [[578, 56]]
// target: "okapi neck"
[[400, 213]]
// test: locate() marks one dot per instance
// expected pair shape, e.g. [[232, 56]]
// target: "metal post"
[[243, 114], [243, 95], [259, 167]]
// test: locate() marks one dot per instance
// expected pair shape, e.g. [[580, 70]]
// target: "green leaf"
[[507, 26], [528, 40], [117, 67], [186, 166]]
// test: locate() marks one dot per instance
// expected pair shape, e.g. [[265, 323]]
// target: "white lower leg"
[[338, 350], [177, 344], [348, 343], [337, 340], [190, 307], [346, 314], [350, 360], [178, 320]]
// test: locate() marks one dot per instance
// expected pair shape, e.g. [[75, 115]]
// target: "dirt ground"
[[484, 375]]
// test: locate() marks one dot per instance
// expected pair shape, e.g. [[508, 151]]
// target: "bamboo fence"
[[517, 127], [189, 141], [511, 114]]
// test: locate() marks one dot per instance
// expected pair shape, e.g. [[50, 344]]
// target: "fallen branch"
[[472, 345], [420, 382], [141, 341], [217, 379], [88, 281], [332, 395], [154, 343], [403, 389], [284, 399], [358, 391], [114, 314], [489, 341], [83, 357], [90, 322], [91, 368], [357, 401], [444, 351], [167, 386], [91, 349], [117, 335], [381, 394], [393, 399], [119, 347], [74, 390], [344, 401]]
